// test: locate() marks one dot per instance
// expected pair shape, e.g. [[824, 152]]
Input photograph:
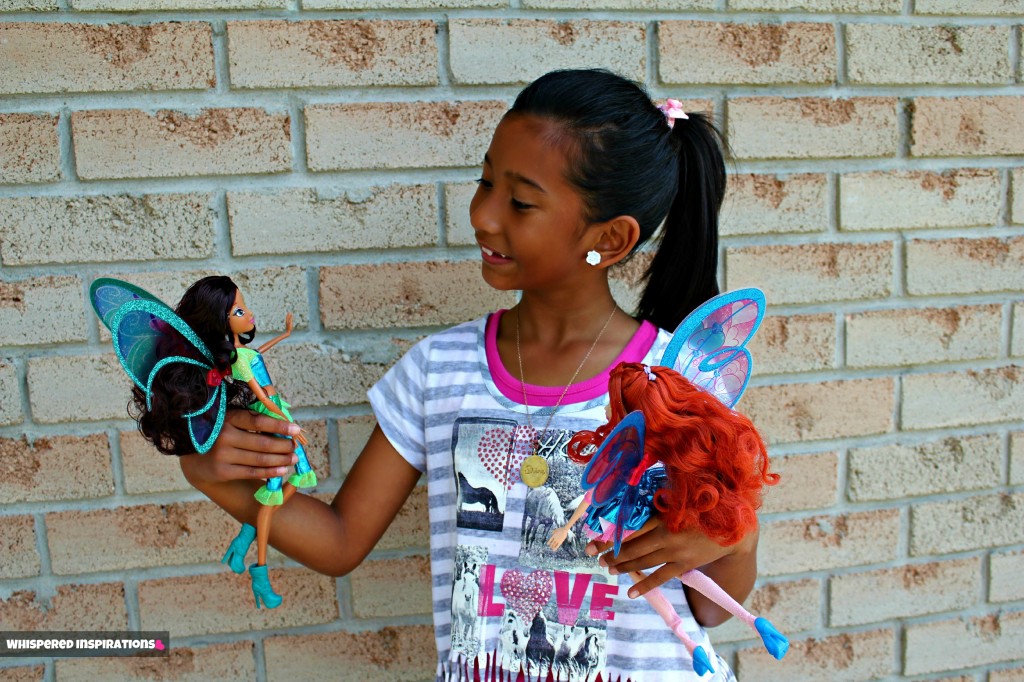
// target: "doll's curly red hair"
[[716, 461]]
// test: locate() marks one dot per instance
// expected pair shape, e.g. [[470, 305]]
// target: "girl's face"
[[528, 219], [240, 318]]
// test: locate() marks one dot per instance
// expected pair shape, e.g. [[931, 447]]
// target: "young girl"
[[580, 172]]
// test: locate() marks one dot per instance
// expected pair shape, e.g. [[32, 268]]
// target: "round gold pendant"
[[534, 471]]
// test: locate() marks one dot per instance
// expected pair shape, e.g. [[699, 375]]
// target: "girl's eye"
[[486, 184], [520, 206]]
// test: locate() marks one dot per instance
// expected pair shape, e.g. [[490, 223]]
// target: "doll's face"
[[240, 318]]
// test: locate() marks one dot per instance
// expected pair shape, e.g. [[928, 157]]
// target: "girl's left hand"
[[654, 545]]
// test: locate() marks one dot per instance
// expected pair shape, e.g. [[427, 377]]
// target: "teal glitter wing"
[[709, 347], [148, 336]]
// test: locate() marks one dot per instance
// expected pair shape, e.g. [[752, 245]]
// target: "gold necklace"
[[534, 469]]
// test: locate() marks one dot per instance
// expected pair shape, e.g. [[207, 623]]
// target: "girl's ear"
[[616, 239]]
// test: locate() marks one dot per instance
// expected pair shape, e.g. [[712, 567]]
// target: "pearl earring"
[[593, 257]]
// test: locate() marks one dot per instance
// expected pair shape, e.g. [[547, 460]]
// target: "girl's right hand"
[[244, 450]]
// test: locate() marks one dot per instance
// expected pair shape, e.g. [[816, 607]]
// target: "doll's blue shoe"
[[774, 641], [235, 556], [701, 664], [261, 590]]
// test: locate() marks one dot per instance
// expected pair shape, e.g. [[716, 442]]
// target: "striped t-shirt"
[[503, 601]]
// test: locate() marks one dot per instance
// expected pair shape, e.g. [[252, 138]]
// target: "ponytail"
[[683, 272]]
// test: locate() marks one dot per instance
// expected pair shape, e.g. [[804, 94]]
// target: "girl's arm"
[[330, 538], [733, 568], [280, 337]]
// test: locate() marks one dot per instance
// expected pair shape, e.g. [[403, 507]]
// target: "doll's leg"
[[304, 476], [261, 589], [774, 641], [239, 547], [270, 494], [660, 603]]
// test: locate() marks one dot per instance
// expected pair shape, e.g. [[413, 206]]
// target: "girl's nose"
[[481, 213]]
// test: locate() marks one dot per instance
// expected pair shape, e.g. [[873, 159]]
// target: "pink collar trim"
[[547, 396]]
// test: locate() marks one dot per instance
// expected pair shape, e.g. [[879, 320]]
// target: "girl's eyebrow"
[[517, 177]]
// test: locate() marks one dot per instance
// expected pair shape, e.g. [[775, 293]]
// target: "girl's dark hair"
[[180, 388], [625, 160]]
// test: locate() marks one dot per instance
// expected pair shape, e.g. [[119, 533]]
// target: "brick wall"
[[322, 152]]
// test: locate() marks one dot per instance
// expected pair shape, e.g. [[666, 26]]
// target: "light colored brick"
[[897, 54], [1017, 347], [909, 337], [165, 5], [1017, 196], [312, 375], [406, 652], [808, 482], [127, 143], [892, 472], [967, 524], [66, 388], [270, 292], [353, 432], [847, 657], [18, 544], [378, 135], [794, 343], [41, 310], [227, 603], [790, 606], [32, 673], [966, 126], [458, 229], [486, 51], [963, 398], [774, 204], [901, 200], [28, 5], [138, 536], [622, 4], [10, 386], [105, 228], [985, 7], [146, 470], [55, 468], [694, 52], [1017, 458], [963, 643], [817, 543], [232, 661], [406, 294], [904, 591], [300, 220], [411, 528], [29, 148], [960, 265], [81, 608], [375, 585], [400, 4], [850, 6], [810, 127], [1006, 675], [813, 273], [65, 57], [1005, 570], [813, 411], [329, 54]]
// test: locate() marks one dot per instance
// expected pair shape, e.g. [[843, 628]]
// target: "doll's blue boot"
[[304, 476], [261, 590], [235, 556], [701, 664], [774, 641]]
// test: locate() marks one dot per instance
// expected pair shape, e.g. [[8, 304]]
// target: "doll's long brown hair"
[[717, 463]]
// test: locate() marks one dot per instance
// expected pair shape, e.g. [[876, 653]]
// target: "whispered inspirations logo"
[[65, 644]]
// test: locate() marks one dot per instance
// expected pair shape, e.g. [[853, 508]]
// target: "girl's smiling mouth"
[[492, 256]]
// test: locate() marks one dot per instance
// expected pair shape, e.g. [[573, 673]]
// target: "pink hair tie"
[[650, 374], [673, 109]]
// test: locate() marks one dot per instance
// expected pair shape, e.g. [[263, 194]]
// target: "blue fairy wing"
[[709, 346], [630, 494], [609, 470], [148, 336], [107, 295]]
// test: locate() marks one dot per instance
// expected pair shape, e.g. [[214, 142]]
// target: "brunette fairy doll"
[[179, 360], [699, 464]]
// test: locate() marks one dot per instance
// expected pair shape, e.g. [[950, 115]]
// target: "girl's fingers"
[[252, 421], [655, 579]]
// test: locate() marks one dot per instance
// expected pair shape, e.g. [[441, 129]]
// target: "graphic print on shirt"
[[487, 454], [467, 630]]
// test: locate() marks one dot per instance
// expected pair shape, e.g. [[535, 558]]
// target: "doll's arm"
[[558, 535], [262, 396], [329, 538], [280, 337]]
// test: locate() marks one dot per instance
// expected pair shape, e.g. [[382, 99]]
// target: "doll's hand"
[[654, 545], [289, 320], [245, 449], [558, 536], [300, 437]]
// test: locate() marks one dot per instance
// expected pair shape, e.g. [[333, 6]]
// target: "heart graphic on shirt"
[[502, 452], [526, 594]]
